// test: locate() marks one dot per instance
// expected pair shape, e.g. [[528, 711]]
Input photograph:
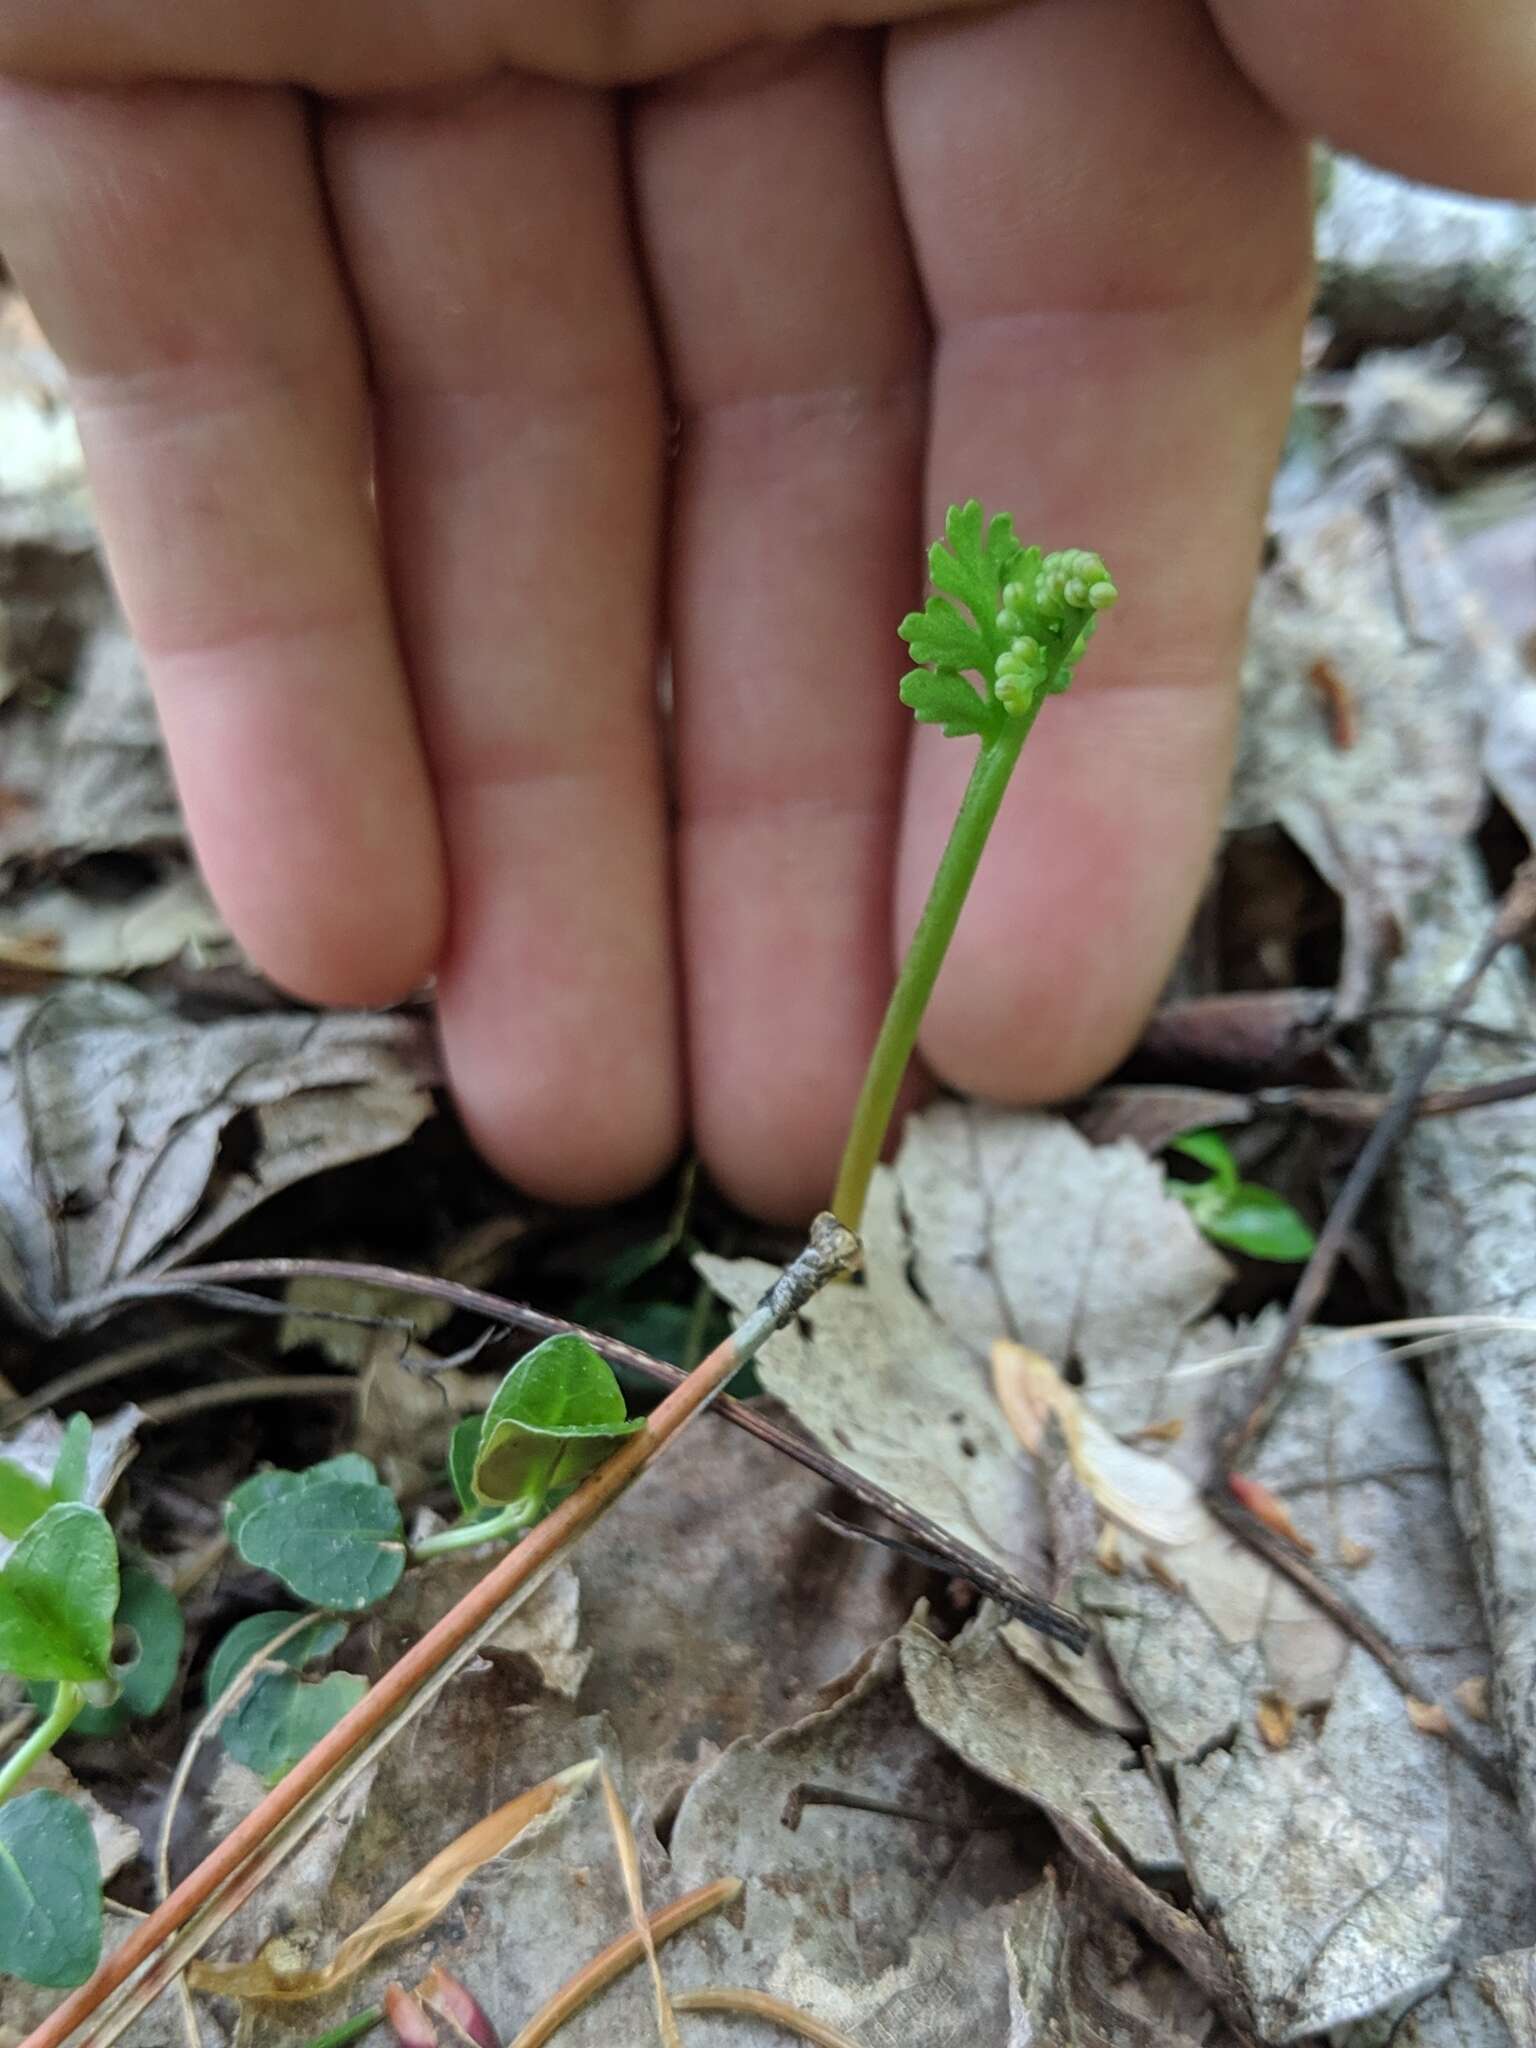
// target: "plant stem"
[[349, 2030], [920, 970], [466, 1535], [67, 1702]]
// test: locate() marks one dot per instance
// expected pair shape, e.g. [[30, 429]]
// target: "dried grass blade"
[[413, 1907], [629, 1867], [622, 1955], [760, 2006]]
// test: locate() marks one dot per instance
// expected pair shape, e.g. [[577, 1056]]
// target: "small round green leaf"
[[150, 1615], [336, 1543], [58, 1596], [558, 1412], [50, 1891], [253, 1634], [283, 1717]]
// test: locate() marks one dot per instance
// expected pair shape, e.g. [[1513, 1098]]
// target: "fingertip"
[[562, 1134]]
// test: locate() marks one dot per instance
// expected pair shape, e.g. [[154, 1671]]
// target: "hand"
[[1054, 256]]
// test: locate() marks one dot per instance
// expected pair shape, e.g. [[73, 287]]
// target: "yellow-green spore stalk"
[[1017, 621]]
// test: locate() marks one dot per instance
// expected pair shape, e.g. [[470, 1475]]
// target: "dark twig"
[[1515, 914], [1356, 1106], [948, 1550], [1355, 1623]]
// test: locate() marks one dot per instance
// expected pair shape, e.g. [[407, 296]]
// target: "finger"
[[1436, 92], [1113, 231], [520, 453], [407, 43], [174, 244], [796, 342]]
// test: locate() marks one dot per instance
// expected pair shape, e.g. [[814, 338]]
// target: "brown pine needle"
[[762, 2007], [634, 1892], [623, 1955]]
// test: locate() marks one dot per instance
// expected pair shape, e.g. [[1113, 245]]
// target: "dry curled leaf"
[[408, 2017], [1428, 1717], [1472, 1697], [455, 2003], [1275, 1718], [415, 1906]]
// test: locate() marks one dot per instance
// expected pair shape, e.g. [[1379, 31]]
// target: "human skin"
[[864, 260]]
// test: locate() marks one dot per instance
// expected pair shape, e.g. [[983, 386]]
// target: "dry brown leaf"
[[1153, 1500], [415, 1906], [1166, 1432], [1268, 1508], [634, 1892], [760, 2006], [1472, 1697], [622, 1955], [1107, 1551], [1428, 1718], [1275, 1718]]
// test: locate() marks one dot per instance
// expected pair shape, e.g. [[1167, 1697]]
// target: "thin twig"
[[1352, 1620], [1514, 916], [132, 1358], [278, 1386], [1357, 1106], [375, 1719], [964, 1562]]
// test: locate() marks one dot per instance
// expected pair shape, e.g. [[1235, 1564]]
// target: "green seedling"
[[1018, 622], [95, 1643], [1236, 1212], [279, 1716]]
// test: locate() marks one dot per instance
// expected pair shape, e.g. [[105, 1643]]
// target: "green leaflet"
[[281, 1715], [149, 1612], [263, 1487], [1231, 1211], [558, 1413], [23, 1500], [58, 1596], [335, 1542], [69, 1471], [50, 1891]]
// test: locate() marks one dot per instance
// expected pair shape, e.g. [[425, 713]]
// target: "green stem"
[[467, 1535], [349, 2030], [67, 1702], [925, 956]]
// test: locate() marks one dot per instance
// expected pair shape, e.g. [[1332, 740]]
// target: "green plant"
[[65, 1603], [1236, 1212], [98, 1641], [1018, 621]]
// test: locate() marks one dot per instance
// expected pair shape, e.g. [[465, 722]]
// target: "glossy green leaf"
[[58, 1595], [1206, 1148], [333, 1542], [50, 1891], [252, 1635], [148, 1613], [558, 1412], [263, 1487], [69, 1471], [1259, 1222], [23, 1500], [282, 1717]]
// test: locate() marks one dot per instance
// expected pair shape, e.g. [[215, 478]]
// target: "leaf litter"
[[1227, 1821]]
